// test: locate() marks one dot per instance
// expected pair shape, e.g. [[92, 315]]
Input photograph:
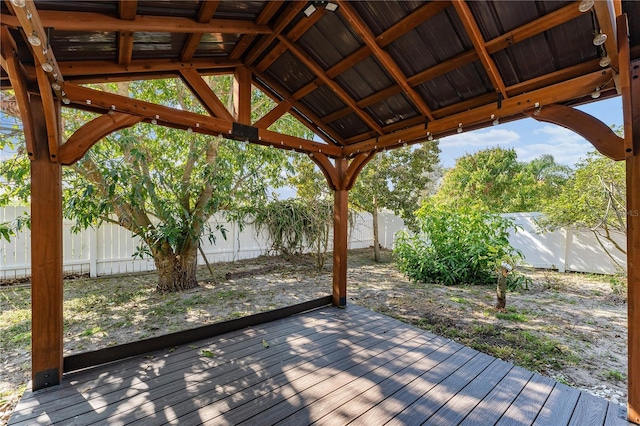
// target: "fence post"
[[93, 252]]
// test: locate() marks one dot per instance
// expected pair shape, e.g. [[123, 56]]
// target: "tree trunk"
[[176, 271], [376, 237]]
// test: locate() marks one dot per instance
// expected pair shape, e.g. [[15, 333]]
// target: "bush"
[[455, 247]]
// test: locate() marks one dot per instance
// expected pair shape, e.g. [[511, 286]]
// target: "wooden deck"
[[329, 366]]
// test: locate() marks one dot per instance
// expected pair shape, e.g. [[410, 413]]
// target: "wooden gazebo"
[[363, 76]]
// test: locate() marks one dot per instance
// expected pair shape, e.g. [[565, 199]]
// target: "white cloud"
[[482, 139], [566, 146]]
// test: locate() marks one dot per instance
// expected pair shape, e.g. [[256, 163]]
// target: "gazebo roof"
[[368, 75]]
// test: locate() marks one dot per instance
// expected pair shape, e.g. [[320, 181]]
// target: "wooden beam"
[[46, 258], [91, 22], [335, 87], [555, 94], [51, 108], [554, 77], [340, 235], [80, 71], [205, 14], [595, 131], [19, 84], [410, 22], [269, 10], [383, 57], [443, 68], [283, 21], [310, 119], [242, 95], [327, 169], [607, 22], [126, 10], [272, 116], [202, 91], [355, 167], [473, 31], [91, 133], [624, 59]]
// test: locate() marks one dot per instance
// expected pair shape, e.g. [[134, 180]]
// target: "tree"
[[594, 198], [397, 180], [164, 184], [493, 180]]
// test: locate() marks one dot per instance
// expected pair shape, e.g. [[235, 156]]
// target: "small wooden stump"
[[501, 289]]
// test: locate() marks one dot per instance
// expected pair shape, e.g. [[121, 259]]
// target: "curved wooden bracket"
[[356, 167], [595, 131], [328, 170], [89, 134]]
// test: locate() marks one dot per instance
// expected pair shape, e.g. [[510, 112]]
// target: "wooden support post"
[[46, 257], [633, 249], [340, 237], [242, 95]]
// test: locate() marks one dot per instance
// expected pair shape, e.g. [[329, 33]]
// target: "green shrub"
[[455, 247]]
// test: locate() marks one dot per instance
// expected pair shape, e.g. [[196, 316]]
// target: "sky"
[[531, 138]]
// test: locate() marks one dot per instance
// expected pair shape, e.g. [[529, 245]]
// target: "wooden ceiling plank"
[[410, 22], [202, 91], [364, 102], [289, 15], [473, 31], [554, 77], [443, 68], [607, 26], [19, 84], [533, 28], [272, 116], [310, 115], [383, 57], [126, 10], [98, 22], [77, 70], [349, 62], [554, 94], [624, 57], [205, 14], [269, 10], [296, 32], [335, 87], [306, 89]]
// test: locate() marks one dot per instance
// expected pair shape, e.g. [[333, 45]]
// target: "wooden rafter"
[[335, 87], [554, 94], [473, 31], [606, 20], [205, 14], [383, 57], [625, 84], [126, 10], [289, 14], [90, 21], [170, 117], [269, 10], [296, 32], [272, 116]]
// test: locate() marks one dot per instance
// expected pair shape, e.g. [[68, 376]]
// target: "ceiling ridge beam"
[[269, 10], [474, 33], [92, 22], [554, 94], [411, 21], [289, 15], [383, 57], [205, 14], [337, 89]]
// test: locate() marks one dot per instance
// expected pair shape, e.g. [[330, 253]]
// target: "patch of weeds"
[[459, 300], [207, 353], [230, 294], [618, 284], [550, 281], [237, 314], [615, 375], [92, 331], [511, 316], [15, 329]]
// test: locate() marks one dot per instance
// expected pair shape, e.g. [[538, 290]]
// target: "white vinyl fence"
[[110, 248]]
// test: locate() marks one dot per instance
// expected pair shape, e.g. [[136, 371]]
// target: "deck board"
[[328, 366]]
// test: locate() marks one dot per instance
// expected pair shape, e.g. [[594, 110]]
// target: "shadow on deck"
[[327, 366]]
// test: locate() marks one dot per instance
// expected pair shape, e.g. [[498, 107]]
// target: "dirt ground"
[[571, 327]]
